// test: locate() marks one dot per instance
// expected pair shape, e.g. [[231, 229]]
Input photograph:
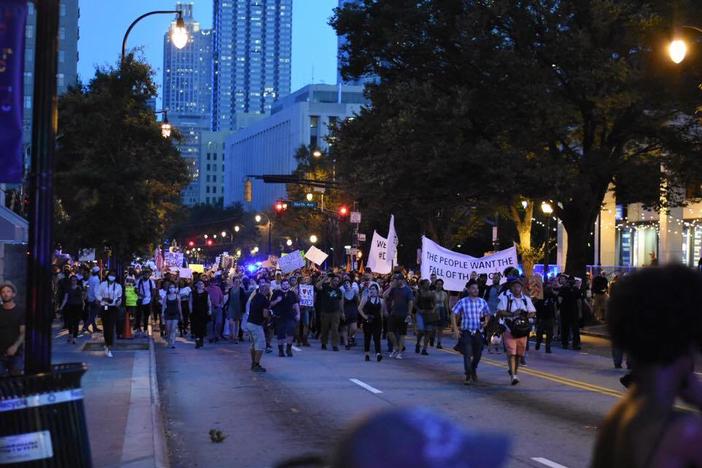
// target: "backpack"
[[519, 326]]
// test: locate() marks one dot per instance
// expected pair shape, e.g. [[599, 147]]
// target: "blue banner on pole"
[[13, 19]]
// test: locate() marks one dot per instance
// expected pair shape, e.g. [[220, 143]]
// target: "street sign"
[[355, 217], [304, 204], [361, 237]]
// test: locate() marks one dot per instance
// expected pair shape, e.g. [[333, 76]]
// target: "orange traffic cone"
[[127, 332]]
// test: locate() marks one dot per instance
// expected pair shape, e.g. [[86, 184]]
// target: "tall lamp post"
[[258, 219], [179, 33], [547, 209], [677, 49], [165, 124]]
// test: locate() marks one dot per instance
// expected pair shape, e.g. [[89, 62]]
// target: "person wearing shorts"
[[400, 300], [512, 304], [286, 310], [259, 311]]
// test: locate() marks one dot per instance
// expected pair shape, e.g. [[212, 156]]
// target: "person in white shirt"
[[145, 288], [109, 295], [93, 284], [516, 309]]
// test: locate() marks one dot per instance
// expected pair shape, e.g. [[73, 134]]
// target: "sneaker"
[[269, 349], [258, 368], [468, 380], [416, 348], [522, 361], [393, 354], [538, 346], [398, 356], [424, 352], [335, 348], [324, 347], [438, 346], [515, 380], [108, 353], [288, 351], [378, 357], [281, 353], [367, 358], [474, 376]]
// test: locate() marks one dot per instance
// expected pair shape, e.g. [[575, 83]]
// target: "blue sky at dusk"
[[102, 28]]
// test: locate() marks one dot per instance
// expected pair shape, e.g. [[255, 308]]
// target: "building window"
[[314, 121], [207, 189], [208, 156], [214, 189], [208, 166]]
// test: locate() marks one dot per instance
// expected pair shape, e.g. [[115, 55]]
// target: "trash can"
[[42, 419]]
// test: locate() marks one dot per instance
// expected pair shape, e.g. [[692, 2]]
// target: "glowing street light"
[[317, 153], [179, 33], [309, 196], [258, 218], [546, 208], [236, 228], [677, 50], [289, 242], [313, 239], [224, 233]]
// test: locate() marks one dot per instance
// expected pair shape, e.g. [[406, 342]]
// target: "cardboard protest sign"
[[455, 268], [316, 256], [197, 268], [291, 262], [306, 295], [186, 273], [378, 260]]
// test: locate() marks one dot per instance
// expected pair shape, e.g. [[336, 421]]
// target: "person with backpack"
[[145, 289], [515, 308]]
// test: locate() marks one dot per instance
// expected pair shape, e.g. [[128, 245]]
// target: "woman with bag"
[[516, 309]]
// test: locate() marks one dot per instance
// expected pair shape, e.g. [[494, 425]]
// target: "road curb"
[[159, 430]]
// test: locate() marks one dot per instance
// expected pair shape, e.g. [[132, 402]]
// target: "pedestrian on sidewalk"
[[93, 302], [372, 310], [516, 309], [259, 312], [12, 331], [146, 291], [184, 293], [425, 317], [201, 311], [110, 297], [331, 303], [600, 287], [473, 312], [171, 313], [236, 302], [400, 301], [286, 311], [72, 307], [663, 336]]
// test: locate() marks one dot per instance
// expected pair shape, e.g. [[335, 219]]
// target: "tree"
[[577, 95], [118, 180]]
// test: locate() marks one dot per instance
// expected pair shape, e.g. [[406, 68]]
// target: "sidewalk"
[[599, 331], [122, 404]]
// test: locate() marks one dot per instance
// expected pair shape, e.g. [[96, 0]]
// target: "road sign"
[[304, 204], [361, 237], [355, 217]]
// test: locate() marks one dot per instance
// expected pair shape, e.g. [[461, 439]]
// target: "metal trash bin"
[[42, 419]]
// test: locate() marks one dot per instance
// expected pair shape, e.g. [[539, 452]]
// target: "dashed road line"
[[547, 462], [296, 349], [364, 385]]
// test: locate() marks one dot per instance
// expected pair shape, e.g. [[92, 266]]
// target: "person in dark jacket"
[[236, 305]]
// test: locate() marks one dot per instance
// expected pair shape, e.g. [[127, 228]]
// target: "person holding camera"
[[515, 308], [371, 310], [109, 295]]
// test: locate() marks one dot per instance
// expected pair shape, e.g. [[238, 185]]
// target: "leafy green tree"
[[563, 98], [117, 179]]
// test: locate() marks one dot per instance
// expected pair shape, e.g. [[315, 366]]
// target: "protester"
[[350, 323], [131, 298], [286, 311], [200, 312], [12, 331], [146, 290], [331, 303], [473, 312], [400, 301], [306, 311], [516, 308], [171, 313], [93, 303], [217, 301], [259, 311], [546, 317], [372, 310], [441, 304], [568, 298], [110, 297], [184, 293], [600, 296], [236, 304], [663, 337], [426, 317], [72, 307]]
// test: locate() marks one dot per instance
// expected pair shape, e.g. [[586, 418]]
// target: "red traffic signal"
[[280, 207], [191, 243], [209, 242], [343, 211]]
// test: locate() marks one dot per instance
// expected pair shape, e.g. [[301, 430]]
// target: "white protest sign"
[[186, 273], [86, 255], [291, 262], [173, 259], [306, 295], [378, 260], [393, 241], [315, 255], [455, 268]]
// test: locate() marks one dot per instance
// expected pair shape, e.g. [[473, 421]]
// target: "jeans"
[[11, 365], [142, 317], [216, 323], [544, 327], [472, 351], [171, 330], [330, 321], [618, 358], [372, 331], [93, 308], [570, 326]]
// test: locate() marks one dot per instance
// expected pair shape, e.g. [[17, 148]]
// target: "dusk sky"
[[102, 28]]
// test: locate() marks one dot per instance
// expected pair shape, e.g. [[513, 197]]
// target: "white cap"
[[96, 269]]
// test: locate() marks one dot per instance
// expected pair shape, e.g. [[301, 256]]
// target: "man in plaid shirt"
[[472, 310]]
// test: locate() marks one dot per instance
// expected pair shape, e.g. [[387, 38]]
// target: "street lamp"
[[224, 233], [313, 239], [289, 242], [310, 197], [179, 33], [258, 219], [165, 124], [677, 49], [236, 228], [317, 153], [547, 209]]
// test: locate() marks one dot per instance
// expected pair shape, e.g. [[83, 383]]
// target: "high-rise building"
[[67, 66], [212, 167], [187, 92], [252, 52]]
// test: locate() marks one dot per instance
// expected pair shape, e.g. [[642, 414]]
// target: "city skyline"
[[314, 42]]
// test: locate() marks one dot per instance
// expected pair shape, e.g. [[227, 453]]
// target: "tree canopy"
[[118, 181], [477, 102]]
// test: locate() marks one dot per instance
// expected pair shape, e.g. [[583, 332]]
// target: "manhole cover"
[[99, 346]]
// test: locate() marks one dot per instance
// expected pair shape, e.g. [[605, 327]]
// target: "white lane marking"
[[366, 386], [547, 462], [698, 373], [296, 349]]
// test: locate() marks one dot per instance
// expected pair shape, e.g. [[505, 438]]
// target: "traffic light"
[[280, 207], [191, 243], [209, 242], [248, 191], [343, 212]]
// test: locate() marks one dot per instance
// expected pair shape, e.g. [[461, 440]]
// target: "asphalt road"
[[302, 404]]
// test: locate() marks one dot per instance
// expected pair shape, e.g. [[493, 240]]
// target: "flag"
[[393, 241]]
